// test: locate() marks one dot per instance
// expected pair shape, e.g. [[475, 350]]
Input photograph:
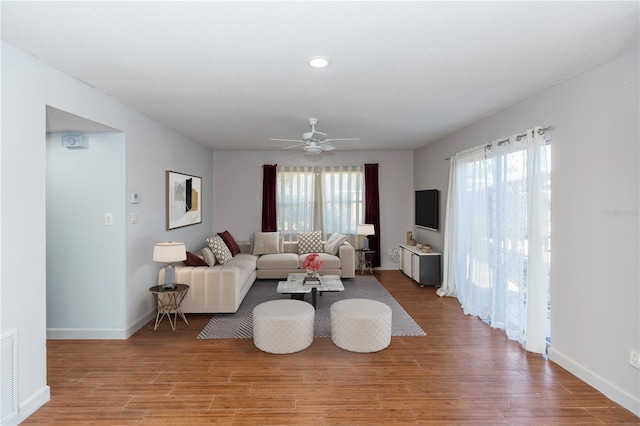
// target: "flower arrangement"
[[312, 264]]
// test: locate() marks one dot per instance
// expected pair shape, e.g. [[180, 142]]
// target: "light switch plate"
[[108, 219], [134, 218]]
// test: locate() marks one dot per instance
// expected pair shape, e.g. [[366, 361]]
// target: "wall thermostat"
[[135, 198]]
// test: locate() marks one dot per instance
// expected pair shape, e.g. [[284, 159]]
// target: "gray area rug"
[[239, 325]]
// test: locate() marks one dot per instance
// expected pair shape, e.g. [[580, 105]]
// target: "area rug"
[[239, 325]]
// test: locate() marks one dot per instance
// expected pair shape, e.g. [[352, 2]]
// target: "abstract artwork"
[[184, 200]]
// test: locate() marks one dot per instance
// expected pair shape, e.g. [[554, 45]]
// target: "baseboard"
[[86, 333], [29, 407], [141, 322], [100, 333], [610, 390]]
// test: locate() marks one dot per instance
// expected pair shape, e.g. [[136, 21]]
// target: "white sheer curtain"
[[327, 199], [343, 199], [295, 200], [466, 195], [539, 241], [496, 236]]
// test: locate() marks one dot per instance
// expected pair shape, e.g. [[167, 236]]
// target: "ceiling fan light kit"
[[311, 149], [314, 142]]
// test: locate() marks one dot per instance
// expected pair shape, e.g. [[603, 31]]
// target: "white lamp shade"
[[366, 229], [169, 252]]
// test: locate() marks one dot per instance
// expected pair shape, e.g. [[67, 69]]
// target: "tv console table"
[[424, 268]]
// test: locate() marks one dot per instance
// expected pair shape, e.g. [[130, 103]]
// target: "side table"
[[169, 301], [365, 258]]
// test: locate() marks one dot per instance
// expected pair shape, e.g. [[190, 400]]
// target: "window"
[[326, 199]]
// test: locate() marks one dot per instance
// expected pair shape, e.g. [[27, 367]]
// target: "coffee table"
[[296, 288]]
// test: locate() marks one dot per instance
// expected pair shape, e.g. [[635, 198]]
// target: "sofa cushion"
[[230, 242], [219, 249], [194, 260], [329, 261], [266, 243], [280, 261], [333, 243], [309, 242], [244, 260]]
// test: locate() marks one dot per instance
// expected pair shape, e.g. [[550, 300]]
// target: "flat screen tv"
[[427, 209]]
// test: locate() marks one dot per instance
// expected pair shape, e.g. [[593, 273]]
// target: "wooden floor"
[[462, 372]]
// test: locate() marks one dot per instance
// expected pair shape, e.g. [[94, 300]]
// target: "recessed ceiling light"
[[319, 62]]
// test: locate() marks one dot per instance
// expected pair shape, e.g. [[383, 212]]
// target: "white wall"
[[595, 319], [86, 279], [238, 190], [152, 149], [28, 86]]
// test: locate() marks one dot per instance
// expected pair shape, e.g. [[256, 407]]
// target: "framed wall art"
[[184, 200]]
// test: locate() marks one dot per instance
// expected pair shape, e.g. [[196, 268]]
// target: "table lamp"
[[169, 252], [365, 230]]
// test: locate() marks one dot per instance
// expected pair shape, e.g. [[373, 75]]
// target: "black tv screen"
[[427, 209]]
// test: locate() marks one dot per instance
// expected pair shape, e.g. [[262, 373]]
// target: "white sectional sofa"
[[222, 288], [217, 288]]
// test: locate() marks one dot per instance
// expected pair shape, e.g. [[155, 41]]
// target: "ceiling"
[[231, 75], [62, 121]]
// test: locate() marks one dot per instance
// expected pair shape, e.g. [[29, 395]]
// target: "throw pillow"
[[194, 260], [309, 242], [334, 242], [219, 249], [266, 243], [208, 256], [230, 242]]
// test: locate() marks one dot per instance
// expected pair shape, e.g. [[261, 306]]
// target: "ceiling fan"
[[314, 142]]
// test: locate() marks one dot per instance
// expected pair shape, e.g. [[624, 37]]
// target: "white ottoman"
[[360, 325], [283, 326]]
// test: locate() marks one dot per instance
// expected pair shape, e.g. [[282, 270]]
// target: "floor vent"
[[8, 368]]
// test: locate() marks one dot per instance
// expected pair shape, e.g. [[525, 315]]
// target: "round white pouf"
[[283, 326], [360, 325]]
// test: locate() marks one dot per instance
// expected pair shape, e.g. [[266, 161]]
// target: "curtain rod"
[[518, 137]]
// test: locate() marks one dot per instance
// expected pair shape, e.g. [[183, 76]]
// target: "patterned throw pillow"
[[219, 249], [309, 242]]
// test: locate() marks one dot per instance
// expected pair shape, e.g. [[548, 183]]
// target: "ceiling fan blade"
[[313, 136], [327, 147], [341, 139], [295, 146], [285, 140]]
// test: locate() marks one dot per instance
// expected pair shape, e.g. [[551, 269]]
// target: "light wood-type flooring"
[[461, 373]]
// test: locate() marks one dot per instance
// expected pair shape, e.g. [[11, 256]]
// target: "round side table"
[[169, 300], [365, 257]]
